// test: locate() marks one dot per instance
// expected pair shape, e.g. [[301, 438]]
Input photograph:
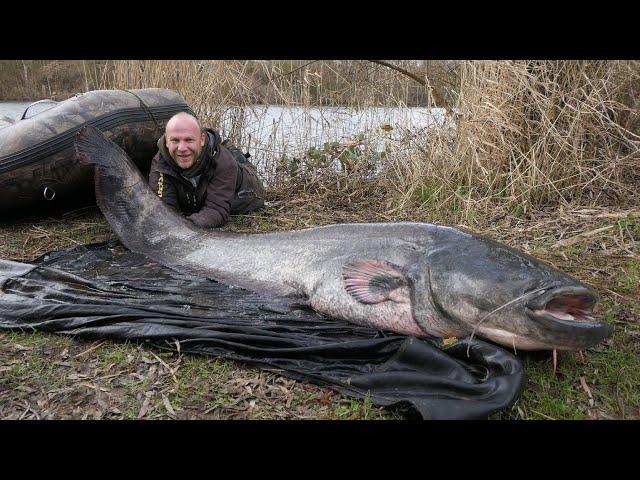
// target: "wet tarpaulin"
[[106, 291]]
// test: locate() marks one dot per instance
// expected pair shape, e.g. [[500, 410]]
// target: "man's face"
[[184, 141]]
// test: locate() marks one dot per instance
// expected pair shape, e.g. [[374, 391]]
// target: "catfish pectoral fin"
[[374, 281]]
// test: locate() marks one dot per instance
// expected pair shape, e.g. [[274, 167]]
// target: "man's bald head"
[[184, 138], [183, 119]]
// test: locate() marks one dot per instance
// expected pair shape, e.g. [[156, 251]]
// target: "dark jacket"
[[208, 204]]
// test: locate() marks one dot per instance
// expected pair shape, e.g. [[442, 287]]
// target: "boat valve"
[[49, 193]]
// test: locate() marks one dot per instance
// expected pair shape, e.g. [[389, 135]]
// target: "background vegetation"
[[327, 82], [519, 135], [54, 79]]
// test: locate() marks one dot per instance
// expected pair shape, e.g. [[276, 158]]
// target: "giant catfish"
[[411, 278]]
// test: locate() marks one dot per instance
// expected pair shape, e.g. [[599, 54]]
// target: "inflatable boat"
[[38, 168]]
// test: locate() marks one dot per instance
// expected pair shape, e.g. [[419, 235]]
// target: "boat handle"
[[49, 193], [46, 100]]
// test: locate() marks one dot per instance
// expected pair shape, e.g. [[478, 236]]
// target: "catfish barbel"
[[411, 278]]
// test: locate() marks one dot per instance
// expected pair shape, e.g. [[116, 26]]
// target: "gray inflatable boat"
[[38, 168]]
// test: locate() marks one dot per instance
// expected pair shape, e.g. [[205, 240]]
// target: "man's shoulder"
[[225, 159], [159, 163], [157, 158]]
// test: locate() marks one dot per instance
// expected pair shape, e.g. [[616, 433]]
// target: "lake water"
[[272, 133], [272, 127]]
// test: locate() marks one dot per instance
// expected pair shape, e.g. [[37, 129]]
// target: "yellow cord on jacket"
[[160, 185]]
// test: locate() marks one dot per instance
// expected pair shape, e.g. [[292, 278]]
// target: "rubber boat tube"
[[38, 168]]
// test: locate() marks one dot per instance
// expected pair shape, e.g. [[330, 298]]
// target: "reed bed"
[[27, 80], [509, 136], [533, 134], [296, 118]]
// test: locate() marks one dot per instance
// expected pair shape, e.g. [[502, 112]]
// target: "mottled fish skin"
[[411, 278]]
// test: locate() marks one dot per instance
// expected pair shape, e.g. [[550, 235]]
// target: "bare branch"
[[437, 99], [401, 70]]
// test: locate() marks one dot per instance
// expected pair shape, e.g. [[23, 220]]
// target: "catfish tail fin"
[[114, 170], [94, 148]]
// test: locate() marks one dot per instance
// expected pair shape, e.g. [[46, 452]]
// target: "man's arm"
[[220, 192]]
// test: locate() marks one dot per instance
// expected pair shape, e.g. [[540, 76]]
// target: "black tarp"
[[106, 291]]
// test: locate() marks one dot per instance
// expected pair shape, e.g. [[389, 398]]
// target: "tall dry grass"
[[521, 135], [211, 86], [229, 95], [53, 79], [530, 134]]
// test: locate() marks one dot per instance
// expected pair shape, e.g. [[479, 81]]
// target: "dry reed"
[[519, 135], [533, 134]]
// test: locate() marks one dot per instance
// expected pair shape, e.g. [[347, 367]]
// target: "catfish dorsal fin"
[[374, 281]]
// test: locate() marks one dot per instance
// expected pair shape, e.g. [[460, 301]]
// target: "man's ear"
[[203, 138]]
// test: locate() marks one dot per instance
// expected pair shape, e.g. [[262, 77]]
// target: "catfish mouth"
[[567, 314], [565, 304]]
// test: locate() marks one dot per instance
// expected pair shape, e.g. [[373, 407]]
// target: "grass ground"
[[48, 376]]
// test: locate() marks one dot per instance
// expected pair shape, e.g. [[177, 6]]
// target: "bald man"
[[194, 173]]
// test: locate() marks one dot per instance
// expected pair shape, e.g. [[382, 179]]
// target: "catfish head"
[[468, 284]]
